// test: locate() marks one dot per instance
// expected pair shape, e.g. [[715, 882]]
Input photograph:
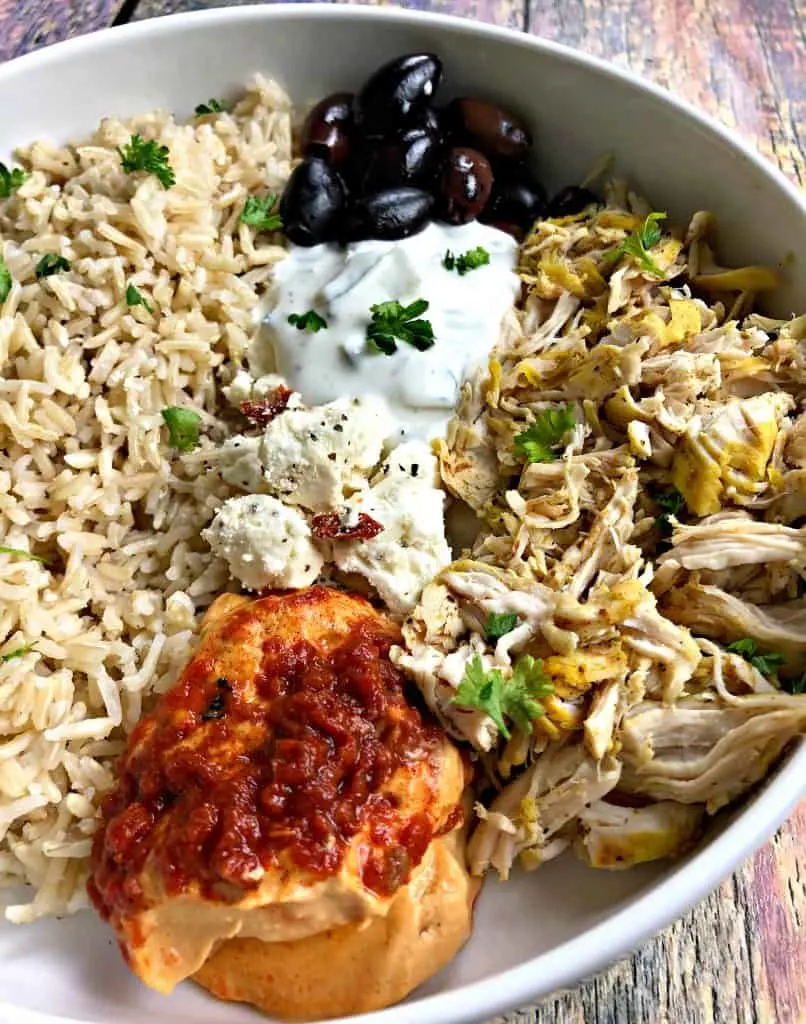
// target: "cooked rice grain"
[[87, 480]]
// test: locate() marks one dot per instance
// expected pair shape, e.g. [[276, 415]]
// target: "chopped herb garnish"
[[794, 686], [392, 322], [471, 260], [257, 213], [215, 709], [499, 625], [10, 180], [134, 298], [183, 427], [537, 443], [638, 244], [5, 280], [18, 653], [51, 263], [767, 664], [672, 502], [22, 554], [308, 321], [139, 155], [517, 698], [212, 106]]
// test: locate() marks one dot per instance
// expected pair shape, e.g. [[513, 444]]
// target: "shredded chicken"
[[636, 455]]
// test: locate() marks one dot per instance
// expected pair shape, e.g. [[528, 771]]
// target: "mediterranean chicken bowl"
[[389, 504]]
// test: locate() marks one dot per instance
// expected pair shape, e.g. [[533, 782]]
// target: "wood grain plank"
[[511, 13], [28, 24], [743, 61]]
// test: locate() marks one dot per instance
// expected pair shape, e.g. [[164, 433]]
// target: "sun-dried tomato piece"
[[265, 409], [330, 525]]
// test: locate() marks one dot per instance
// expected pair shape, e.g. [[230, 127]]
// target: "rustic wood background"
[[740, 956]]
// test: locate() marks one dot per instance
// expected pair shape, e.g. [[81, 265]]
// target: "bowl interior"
[[578, 111]]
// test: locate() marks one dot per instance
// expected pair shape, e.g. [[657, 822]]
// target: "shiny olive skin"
[[571, 200], [497, 132], [327, 129], [409, 159], [390, 214], [517, 198], [312, 203], [465, 184], [395, 93]]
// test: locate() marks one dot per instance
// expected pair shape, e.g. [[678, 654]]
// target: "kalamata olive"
[[409, 159], [397, 91], [570, 201], [517, 198], [498, 133], [389, 214], [312, 202], [466, 182], [326, 132], [428, 120]]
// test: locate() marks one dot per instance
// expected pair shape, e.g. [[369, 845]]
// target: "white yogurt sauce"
[[421, 388]]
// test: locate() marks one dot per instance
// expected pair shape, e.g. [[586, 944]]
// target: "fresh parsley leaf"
[[308, 321], [10, 180], [51, 263], [257, 213], [767, 664], [5, 280], [134, 298], [139, 155], [212, 106], [19, 652], [499, 625], [638, 244], [794, 686], [471, 260], [672, 502], [183, 427], [392, 322], [517, 698], [22, 554], [537, 443]]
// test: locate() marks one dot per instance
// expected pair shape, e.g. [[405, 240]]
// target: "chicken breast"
[[284, 788]]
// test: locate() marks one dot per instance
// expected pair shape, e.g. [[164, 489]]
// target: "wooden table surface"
[[740, 956]]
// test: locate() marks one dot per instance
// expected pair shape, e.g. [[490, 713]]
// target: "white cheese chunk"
[[266, 544], [412, 547]]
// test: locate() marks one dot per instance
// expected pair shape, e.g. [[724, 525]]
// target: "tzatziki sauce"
[[342, 284]]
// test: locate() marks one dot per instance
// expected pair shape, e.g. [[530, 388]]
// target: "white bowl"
[[540, 931]]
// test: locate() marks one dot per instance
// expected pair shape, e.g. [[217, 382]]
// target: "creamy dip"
[[341, 284]]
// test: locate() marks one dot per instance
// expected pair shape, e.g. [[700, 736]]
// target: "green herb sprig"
[[139, 155], [308, 321], [391, 322], [767, 664], [10, 180], [538, 442], [212, 106], [135, 298], [464, 263], [19, 553], [5, 280], [19, 652], [673, 503], [499, 625], [517, 698], [258, 213], [183, 427], [51, 263], [638, 244]]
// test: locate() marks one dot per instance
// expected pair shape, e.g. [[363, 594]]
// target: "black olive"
[[465, 185], [570, 201], [497, 132], [326, 132], [396, 92], [409, 159], [312, 202], [389, 214], [517, 198]]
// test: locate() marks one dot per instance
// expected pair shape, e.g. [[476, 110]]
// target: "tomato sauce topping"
[[215, 787]]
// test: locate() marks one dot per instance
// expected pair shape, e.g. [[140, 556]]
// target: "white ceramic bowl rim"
[[664, 901]]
